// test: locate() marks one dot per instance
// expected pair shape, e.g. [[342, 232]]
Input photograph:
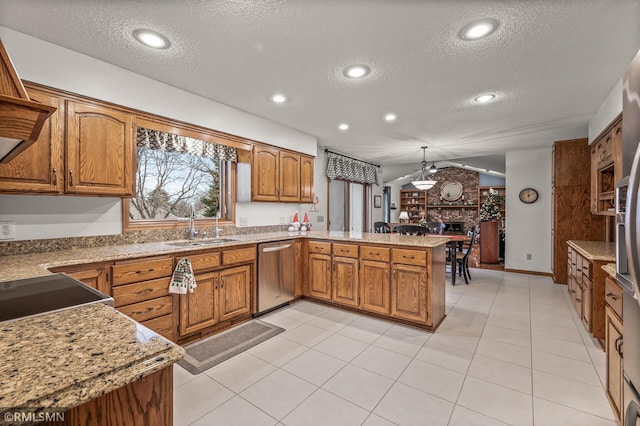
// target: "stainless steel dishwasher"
[[276, 275]]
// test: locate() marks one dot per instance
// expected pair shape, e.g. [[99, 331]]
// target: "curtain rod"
[[346, 156]]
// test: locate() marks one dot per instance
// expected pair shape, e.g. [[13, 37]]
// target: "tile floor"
[[511, 351]]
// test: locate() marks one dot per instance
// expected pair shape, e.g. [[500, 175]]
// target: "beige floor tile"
[[507, 335], [341, 347], [569, 334], [236, 411], [196, 398], [501, 373], [306, 334], [456, 339], [323, 408], [364, 331], [297, 315], [405, 405], [464, 417], [314, 366], [381, 361], [573, 369], [280, 320], [278, 351], [359, 386], [590, 399], [401, 343], [278, 393], [560, 347], [445, 356], [497, 402], [240, 372], [550, 414], [181, 376], [432, 379], [505, 352], [375, 420]]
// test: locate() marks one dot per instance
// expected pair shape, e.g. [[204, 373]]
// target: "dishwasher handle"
[[268, 249]]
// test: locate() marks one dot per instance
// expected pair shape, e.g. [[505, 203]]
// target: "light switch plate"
[[243, 221], [7, 230]]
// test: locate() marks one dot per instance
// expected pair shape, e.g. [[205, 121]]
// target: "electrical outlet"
[[320, 219], [243, 221], [7, 230], [528, 256]]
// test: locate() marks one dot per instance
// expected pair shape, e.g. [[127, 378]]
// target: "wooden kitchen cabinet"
[[409, 292], [571, 196], [94, 275], [84, 148], [199, 310], [375, 280], [99, 150], [278, 175], [614, 347], [306, 179], [39, 168], [140, 289], [235, 292], [345, 281], [320, 276], [606, 168]]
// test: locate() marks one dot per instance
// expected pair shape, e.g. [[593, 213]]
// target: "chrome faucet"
[[192, 217]]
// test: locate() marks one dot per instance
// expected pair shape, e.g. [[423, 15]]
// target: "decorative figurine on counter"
[[295, 222]]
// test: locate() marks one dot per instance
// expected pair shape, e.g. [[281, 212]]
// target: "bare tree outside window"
[[168, 182]]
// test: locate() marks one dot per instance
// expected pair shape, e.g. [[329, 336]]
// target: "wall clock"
[[528, 195], [451, 190]]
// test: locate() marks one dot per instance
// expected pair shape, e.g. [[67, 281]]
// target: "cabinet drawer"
[[202, 262], [374, 253], [149, 309], [613, 295], [319, 247], [345, 250], [141, 271], [409, 257], [139, 292], [587, 268], [236, 256], [162, 325]]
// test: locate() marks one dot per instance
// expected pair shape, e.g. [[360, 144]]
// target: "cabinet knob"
[[70, 177], [613, 296], [55, 176]]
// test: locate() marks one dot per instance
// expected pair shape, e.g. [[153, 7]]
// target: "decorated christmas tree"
[[490, 208]]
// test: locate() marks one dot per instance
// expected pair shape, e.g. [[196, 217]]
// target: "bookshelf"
[[414, 202]]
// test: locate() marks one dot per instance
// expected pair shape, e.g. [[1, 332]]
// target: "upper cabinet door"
[[264, 174], [99, 150], [306, 179], [289, 176], [38, 169]]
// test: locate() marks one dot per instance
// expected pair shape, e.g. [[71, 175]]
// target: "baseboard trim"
[[522, 271]]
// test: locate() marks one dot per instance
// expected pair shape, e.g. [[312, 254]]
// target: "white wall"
[[528, 226], [608, 110], [77, 73]]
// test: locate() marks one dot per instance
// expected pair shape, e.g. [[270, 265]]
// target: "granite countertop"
[[63, 359], [595, 250], [36, 264], [610, 268]]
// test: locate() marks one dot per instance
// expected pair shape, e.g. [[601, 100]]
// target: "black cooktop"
[[34, 296]]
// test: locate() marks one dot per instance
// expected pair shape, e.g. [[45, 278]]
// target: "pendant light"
[[422, 180], [433, 169]]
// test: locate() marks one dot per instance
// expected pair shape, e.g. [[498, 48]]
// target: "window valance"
[[155, 139], [344, 168]]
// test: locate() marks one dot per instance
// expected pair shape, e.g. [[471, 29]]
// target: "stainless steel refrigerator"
[[628, 241]]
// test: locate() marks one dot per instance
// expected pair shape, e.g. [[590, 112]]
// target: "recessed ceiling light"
[[357, 71], [151, 39], [390, 117], [279, 98], [343, 127], [479, 29], [485, 98]]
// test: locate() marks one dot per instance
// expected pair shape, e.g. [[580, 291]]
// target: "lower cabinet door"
[[199, 309], [320, 276], [409, 292], [235, 292], [375, 287], [614, 361], [345, 281], [587, 308]]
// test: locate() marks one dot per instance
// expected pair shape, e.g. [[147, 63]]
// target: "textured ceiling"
[[551, 63]]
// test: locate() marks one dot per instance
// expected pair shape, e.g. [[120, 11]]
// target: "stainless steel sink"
[[201, 242]]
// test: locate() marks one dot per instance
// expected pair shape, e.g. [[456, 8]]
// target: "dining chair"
[[435, 227], [381, 228], [462, 258], [411, 230]]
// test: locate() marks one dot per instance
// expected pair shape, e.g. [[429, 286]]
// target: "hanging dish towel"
[[183, 278]]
